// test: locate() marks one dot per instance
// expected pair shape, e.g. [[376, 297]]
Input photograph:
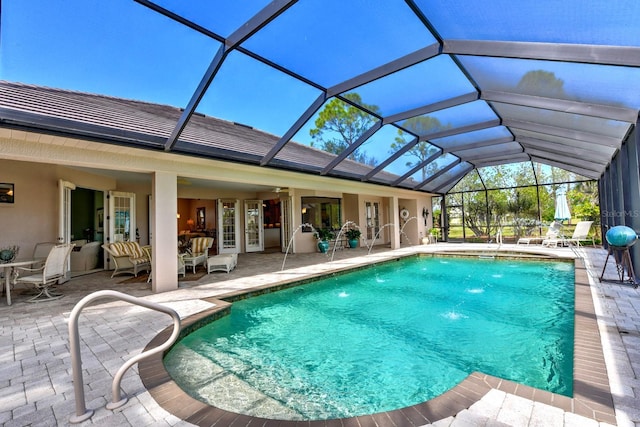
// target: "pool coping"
[[591, 392]]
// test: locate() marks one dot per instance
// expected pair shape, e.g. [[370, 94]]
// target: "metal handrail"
[[82, 413]]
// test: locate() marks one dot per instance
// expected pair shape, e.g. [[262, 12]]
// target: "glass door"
[[253, 226], [285, 230], [64, 214], [372, 210], [228, 221], [122, 217], [64, 219]]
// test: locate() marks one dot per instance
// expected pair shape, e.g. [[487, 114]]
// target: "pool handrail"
[[82, 413]]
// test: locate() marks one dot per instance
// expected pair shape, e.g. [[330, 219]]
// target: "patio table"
[[8, 267]]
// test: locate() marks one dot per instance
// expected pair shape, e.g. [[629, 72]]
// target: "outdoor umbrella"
[[562, 208]]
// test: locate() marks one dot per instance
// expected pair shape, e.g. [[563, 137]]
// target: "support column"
[[394, 236], [164, 235]]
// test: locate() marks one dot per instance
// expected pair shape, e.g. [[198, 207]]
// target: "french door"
[[253, 226], [372, 211], [285, 221], [228, 226], [64, 219], [122, 217], [64, 214]]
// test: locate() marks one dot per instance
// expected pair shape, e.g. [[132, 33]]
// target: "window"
[[321, 212]]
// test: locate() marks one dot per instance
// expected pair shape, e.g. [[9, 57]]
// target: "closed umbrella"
[[562, 207]]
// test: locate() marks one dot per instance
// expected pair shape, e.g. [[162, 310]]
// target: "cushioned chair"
[[198, 252], [128, 257], [54, 269], [181, 267], [223, 262], [86, 258]]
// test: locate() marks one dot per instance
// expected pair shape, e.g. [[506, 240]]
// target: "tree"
[[421, 125], [584, 201], [541, 83], [340, 124]]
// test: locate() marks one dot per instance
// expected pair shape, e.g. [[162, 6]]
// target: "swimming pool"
[[408, 340]]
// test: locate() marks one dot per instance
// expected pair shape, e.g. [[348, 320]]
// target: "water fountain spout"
[[342, 229], [378, 235], [291, 241], [404, 225]]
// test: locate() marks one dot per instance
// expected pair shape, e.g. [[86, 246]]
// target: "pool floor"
[[591, 398]]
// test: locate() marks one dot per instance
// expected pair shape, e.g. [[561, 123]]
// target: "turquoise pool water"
[[384, 338]]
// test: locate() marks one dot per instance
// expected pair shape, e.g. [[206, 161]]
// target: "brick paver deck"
[[35, 368]]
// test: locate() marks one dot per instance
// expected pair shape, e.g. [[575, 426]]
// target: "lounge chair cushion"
[[129, 257], [130, 249], [201, 245]]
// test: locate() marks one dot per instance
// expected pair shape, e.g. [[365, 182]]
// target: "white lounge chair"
[[580, 234], [552, 233]]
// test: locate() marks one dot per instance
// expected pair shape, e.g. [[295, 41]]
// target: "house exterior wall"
[[33, 217], [35, 162]]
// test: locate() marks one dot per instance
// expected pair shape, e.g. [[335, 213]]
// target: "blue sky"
[[123, 49], [109, 47], [120, 48]]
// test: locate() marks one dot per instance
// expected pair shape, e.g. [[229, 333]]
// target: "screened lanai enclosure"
[[515, 200], [492, 107]]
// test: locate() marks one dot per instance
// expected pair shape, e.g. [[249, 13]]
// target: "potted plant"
[[324, 235], [426, 238], [353, 234]]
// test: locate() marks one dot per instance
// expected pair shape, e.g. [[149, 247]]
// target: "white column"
[[164, 235], [395, 219]]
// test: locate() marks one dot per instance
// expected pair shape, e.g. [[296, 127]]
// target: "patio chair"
[[41, 251], [198, 252], [581, 234], [54, 269], [552, 233], [128, 258], [181, 267]]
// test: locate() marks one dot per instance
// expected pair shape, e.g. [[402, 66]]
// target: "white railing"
[[82, 413]]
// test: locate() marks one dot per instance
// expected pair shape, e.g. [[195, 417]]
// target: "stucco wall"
[[33, 217]]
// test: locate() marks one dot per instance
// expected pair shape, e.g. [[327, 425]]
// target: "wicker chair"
[[198, 252], [128, 257], [181, 267]]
